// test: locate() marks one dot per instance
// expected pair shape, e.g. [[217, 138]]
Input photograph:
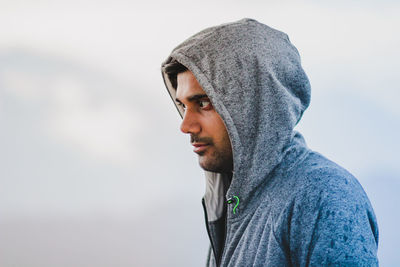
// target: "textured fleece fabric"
[[296, 207]]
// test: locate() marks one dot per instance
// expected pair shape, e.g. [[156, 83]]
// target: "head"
[[208, 133]]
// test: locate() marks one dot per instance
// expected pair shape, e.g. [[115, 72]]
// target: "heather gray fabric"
[[296, 207]]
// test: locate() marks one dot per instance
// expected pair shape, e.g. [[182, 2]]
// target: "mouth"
[[199, 147]]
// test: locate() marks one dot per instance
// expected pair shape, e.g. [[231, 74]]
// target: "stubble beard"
[[215, 159]]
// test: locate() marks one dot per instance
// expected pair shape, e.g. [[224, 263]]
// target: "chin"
[[206, 164], [209, 165]]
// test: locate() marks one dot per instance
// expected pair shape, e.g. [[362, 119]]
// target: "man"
[[270, 200]]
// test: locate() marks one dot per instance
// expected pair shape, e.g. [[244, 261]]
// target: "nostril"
[[190, 124], [184, 127]]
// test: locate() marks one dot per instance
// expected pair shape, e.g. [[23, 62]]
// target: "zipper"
[[229, 201], [208, 229], [225, 232], [219, 259]]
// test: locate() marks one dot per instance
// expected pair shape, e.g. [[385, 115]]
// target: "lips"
[[199, 147]]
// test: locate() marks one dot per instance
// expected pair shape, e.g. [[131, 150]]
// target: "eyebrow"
[[193, 98]]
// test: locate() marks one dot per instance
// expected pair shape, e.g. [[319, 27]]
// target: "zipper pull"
[[233, 199]]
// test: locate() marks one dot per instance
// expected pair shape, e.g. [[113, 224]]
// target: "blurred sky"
[[93, 168]]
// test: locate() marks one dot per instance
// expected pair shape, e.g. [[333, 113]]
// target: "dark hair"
[[172, 68]]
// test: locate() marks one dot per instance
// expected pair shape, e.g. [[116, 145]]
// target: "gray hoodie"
[[285, 205]]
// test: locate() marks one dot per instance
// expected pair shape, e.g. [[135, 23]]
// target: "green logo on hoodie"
[[237, 203]]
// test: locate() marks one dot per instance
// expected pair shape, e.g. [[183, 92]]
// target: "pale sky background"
[[93, 168]]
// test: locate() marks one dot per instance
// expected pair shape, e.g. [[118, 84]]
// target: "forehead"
[[187, 86]]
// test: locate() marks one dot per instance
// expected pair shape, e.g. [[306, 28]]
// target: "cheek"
[[211, 124], [220, 132], [214, 127]]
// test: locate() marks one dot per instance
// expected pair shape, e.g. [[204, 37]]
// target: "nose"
[[190, 123]]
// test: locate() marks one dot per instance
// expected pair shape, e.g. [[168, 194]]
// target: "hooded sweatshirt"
[[284, 205]]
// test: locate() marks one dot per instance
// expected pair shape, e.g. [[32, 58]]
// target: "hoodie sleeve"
[[333, 224]]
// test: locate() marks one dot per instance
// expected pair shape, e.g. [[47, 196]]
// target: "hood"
[[254, 79]]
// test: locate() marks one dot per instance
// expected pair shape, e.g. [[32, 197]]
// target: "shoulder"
[[329, 215], [328, 193], [314, 185], [318, 176]]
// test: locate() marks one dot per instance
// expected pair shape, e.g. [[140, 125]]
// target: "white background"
[[93, 168]]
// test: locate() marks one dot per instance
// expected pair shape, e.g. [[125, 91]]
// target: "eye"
[[181, 105], [205, 104]]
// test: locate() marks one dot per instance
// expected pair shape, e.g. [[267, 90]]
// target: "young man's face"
[[207, 131]]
